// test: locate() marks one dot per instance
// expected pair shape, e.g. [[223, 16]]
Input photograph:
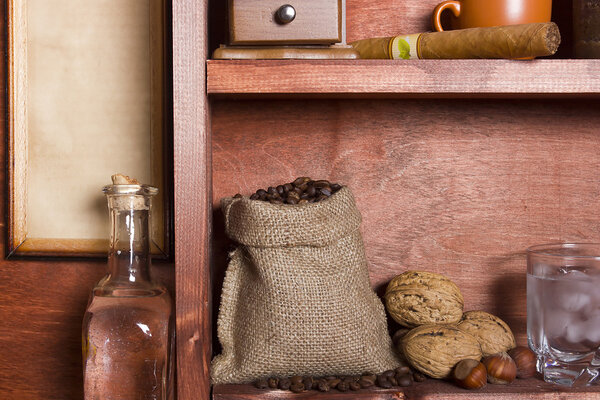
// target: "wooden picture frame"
[[86, 100]]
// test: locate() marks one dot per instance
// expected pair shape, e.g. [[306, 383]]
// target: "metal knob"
[[285, 14]]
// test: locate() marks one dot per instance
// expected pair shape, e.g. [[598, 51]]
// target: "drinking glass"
[[563, 311]]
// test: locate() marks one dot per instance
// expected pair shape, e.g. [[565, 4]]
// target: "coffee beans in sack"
[[296, 297]]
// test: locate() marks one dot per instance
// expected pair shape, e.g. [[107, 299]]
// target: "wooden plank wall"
[[459, 187]]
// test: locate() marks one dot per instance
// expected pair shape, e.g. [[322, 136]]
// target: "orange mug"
[[483, 13]]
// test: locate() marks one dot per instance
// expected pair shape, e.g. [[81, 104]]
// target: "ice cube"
[[573, 301], [576, 332], [593, 330], [573, 290], [556, 322]]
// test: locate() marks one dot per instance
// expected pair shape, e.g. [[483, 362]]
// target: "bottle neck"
[[129, 251]]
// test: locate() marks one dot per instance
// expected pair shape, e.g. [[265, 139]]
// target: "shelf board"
[[524, 389], [404, 78]]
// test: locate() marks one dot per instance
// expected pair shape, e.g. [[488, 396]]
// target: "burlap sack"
[[296, 297]]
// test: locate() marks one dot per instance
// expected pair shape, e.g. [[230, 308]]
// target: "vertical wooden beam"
[[192, 185]]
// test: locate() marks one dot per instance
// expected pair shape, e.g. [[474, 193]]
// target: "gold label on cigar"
[[404, 47]]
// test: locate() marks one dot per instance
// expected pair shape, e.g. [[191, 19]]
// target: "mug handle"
[[453, 5]]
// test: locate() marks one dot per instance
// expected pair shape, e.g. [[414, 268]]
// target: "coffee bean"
[[355, 386], [308, 382], [419, 377], [393, 380], [276, 201], [323, 386], [302, 188], [284, 384], [303, 201], [321, 184], [300, 181], [291, 200], [365, 383], [333, 382], [383, 382], [296, 379], [297, 387], [238, 196], [325, 191], [343, 386], [388, 373], [371, 377], [335, 187], [402, 370], [405, 380], [273, 383], [261, 384]]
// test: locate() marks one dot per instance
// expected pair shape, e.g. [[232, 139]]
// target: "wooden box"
[[255, 22]]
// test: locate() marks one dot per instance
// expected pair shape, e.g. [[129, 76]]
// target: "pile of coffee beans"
[[301, 191], [401, 376]]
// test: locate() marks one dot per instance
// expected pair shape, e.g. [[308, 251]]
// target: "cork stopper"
[[120, 179], [127, 193]]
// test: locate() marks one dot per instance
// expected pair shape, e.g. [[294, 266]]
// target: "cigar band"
[[405, 47]]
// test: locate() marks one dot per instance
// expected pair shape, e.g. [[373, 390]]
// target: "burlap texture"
[[296, 297]]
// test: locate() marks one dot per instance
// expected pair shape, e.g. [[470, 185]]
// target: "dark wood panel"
[[520, 389], [41, 308], [192, 183], [460, 187]]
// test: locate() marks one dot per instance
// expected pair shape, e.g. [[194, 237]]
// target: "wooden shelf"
[[414, 78], [527, 389]]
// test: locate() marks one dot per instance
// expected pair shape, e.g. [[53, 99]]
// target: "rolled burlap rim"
[[261, 224]]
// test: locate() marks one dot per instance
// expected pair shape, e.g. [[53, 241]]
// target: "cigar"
[[511, 41]]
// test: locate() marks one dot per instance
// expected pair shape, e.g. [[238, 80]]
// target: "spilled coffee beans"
[[302, 190], [401, 376]]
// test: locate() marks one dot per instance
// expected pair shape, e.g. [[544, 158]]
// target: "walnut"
[[415, 298], [436, 348], [493, 334]]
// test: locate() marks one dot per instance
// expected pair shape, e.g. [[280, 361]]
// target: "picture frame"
[[86, 100]]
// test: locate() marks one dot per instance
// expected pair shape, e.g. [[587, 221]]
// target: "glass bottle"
[[128, 324]]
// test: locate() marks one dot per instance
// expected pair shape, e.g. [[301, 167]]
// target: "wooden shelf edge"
[[526, 389], [410, 78]]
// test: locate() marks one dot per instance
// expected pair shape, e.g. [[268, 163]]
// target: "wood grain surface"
[[405, 78], [459, 187], [520, 389], [192, 160]]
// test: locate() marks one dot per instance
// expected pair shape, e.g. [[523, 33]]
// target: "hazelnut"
[[525, 361], [501, 369], [470, 374]]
